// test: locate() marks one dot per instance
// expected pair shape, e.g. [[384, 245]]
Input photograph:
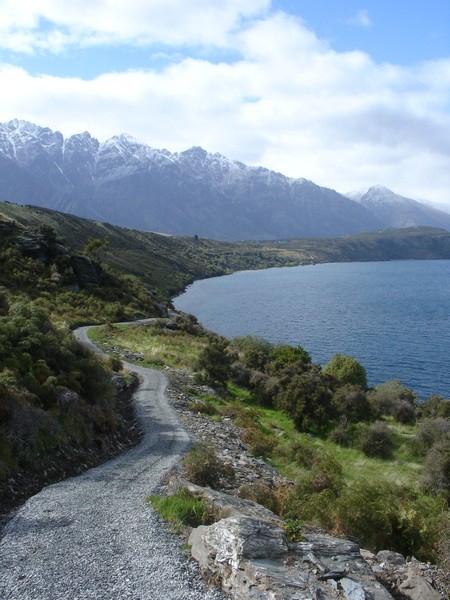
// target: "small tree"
[[347, 370], [283, 357], [306, 398], [351, 401], [437, 477], [96, 248], [385, 397], [376, 440], [214, 361]]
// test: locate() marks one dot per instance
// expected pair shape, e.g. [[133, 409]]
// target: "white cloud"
[[26, 26], [339, 119], [361, 19]]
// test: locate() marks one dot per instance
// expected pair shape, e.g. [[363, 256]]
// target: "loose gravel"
[[94, 536]]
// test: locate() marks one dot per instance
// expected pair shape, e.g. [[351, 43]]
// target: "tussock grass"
[[179, 510]]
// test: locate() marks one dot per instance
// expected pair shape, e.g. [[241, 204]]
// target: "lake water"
[[394, 317]]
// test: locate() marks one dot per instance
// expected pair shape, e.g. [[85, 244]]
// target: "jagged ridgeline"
[[128, 183]]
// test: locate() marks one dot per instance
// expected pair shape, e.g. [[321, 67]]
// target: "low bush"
[[204, 407], [405, 412], [243, 416], [342, 434], [381, 515], [301, 450], [385, 397], [350, 400], [259, 443], [260, 493], [437, 477], [430, 431], [202, 466], [375, 440]]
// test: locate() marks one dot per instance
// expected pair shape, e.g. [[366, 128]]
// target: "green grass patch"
[[157, 346], [179, 510]]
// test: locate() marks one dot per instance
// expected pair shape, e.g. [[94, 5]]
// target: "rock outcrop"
[[247, 553]]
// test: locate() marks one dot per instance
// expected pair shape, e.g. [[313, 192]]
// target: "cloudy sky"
[[347, 93]]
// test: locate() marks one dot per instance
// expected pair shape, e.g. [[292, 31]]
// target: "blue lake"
[[394, 317]]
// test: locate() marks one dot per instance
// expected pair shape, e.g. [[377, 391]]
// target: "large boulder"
[[248, 553]]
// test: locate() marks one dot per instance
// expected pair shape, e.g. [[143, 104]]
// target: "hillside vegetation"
[[168, 263], [60, 404], [372, 464]]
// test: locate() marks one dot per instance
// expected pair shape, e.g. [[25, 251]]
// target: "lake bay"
[[394, 317]]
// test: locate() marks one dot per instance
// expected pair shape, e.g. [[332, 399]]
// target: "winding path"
[[93, 536]]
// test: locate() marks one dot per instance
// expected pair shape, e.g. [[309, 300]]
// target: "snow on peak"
[[377, 194]]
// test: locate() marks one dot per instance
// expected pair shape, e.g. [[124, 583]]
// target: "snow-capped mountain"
[[128, 183], [394, 210]]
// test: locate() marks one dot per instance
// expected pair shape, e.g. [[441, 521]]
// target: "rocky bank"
[[246, 552]]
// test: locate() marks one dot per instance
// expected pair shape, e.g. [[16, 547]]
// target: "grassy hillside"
[[168, 263]]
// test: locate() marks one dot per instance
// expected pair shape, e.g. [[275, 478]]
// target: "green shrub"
[[350, 400], [243, 416], [259, 443], [342, 434], [429, 432], [325, 474], [306, 398], [204, 407], [296, 506], [385, 397], [405, 412], [202, 466], [375, 440], [429, 408], [259, 493], [264, 387], [437, 477], [301, 450], [288, 503], [346, 369], [382, 515], [283, 356], [214, 361], [253, 351], [293, 529]]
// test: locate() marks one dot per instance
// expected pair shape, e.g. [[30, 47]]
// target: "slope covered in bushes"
[[367, 463]]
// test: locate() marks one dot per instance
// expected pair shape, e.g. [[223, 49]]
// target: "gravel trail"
[[93, 536]]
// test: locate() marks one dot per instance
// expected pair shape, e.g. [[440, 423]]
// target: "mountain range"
[[192, 193]]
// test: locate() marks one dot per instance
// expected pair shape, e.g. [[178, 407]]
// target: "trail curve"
[[94, 536]]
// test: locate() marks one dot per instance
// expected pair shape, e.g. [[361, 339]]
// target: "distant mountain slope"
[[169, 263], [394, 210], [191, 193]]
